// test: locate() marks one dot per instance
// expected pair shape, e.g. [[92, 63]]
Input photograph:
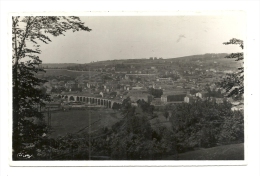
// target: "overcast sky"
[[145, 36]]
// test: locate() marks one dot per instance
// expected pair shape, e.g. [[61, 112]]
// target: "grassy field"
[[78, 121], [225, 152]]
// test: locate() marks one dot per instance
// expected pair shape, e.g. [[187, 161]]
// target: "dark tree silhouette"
[[27, 32], [234, 83]]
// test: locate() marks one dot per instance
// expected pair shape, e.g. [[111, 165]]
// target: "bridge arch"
[[93, 100], [71, 98]]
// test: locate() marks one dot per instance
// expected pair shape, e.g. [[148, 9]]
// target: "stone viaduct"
[[90, 100]]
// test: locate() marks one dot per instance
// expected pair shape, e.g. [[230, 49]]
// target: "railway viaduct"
[[90, 100]]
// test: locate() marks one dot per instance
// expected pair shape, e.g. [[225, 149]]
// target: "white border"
[[252, 9], [125, 163]]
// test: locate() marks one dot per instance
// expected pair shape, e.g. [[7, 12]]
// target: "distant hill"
[[209, 60], [216, 60], [57, 65], [201, 57]]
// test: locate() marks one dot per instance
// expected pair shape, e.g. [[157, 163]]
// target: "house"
[[61, 84], [178, 96], [166, 87], [181, 80], [81, 84], [164, 98], [235, 103], [54, 83], [156, 86], [212, 70], [137, 88], [189, 99], [91, 84], [238, 108], [212, 87], [70, 84], [201, 94], [127, 87], [163, 79], [217, 100]]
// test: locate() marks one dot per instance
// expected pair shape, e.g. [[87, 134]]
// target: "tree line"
[[201, 124]]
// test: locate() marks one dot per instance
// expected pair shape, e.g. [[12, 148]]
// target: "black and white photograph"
[[173, 86], [128, 87]]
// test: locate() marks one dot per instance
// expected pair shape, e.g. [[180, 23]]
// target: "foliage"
[[233, 128], [157, 93], [201, 124], [166, 114], [146, 107], [193, 91], [59, 89], [116, 106], [204, 124], [234, 83], [70, 146], [214, 93], [133, 137], [27, 32]]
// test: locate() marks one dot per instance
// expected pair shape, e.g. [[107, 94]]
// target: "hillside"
[[225, 152], [191, 58], [205, 61], [57, 65]]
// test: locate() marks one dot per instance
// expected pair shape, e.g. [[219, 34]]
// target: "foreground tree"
[[234, 83], [205, 124], [27, 32]]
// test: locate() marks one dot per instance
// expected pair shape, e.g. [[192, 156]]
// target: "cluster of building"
[[184, 85]]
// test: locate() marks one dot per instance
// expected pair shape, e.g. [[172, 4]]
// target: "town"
[[159, 91], [157, 81]]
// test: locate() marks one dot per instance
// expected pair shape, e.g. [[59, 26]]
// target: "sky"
[[132, 37]]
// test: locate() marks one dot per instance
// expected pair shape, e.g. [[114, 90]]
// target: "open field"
[[77, 121], [225, 152]]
